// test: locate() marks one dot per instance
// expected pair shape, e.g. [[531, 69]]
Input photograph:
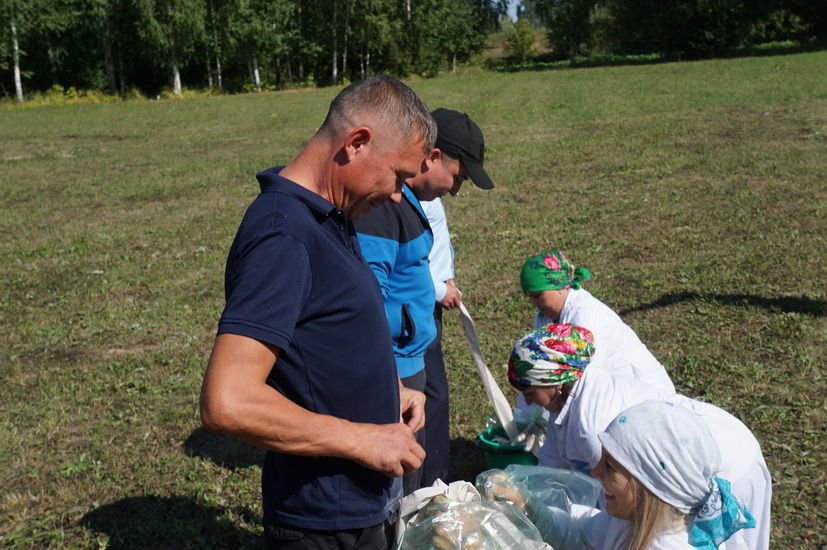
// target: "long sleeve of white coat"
[[596, 399], [580, 528], [617, 348], [441, 258], [587, 528]]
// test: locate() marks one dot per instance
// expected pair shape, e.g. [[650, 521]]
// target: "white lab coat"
[[586, 528], [617, 348], [597, 398]]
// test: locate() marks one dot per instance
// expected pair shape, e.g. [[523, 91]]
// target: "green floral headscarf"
[[551, 270]]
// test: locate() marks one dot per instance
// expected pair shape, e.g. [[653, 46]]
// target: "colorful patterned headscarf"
[[551, 270], [551, 355]]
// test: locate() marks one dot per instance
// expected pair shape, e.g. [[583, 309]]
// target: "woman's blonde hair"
[[652, 517]]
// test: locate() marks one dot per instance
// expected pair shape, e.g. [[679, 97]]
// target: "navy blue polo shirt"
[[295, 279]]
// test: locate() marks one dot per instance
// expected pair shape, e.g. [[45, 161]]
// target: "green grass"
[[695, 192]]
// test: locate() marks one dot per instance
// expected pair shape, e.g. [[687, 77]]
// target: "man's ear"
[[357, 141], [430, 159]]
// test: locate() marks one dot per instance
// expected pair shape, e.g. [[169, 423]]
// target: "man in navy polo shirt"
[[302, 364]]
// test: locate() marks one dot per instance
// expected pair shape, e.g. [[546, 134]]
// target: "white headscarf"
[[670, 450], [667, 448]]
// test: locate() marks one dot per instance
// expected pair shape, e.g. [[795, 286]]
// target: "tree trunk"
[[50, 53], [334, 72], [209, 70], [278, 72], [18, 84], [454, 62], [344, 47], [106, 43], [254, 73], [362, 53], [176, 79], [216, 47], [120, 72], [300, 41]]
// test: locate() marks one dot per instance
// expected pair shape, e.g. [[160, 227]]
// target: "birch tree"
[[259, 31], [16, 16], [172, 28]]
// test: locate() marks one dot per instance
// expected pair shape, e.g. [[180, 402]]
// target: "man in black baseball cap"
[[457, 156], [459, 150], [459, 137]]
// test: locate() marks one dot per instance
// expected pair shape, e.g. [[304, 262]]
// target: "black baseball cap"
[[460, 137]]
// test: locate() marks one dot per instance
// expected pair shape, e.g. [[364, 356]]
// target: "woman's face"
[[551, 398], [546, 301], [621, 497]]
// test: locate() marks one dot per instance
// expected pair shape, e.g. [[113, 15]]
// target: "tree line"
[[120, 46], [674, 29], [145, 46]]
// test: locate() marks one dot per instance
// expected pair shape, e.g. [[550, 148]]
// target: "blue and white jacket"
[[396, 240]]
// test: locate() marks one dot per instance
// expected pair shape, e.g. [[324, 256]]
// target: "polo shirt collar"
[[271, 182]]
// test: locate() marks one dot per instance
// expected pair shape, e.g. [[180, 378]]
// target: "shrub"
[[519, 41]]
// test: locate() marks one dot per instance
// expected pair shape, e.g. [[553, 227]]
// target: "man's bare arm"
[[236, 401]]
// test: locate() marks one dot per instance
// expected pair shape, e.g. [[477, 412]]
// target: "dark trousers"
[[413, 481], [278, 536], [437, 438]]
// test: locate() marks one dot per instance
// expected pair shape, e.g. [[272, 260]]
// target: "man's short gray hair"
[[387, 100]]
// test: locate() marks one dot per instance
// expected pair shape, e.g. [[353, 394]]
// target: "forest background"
[[153, 48]]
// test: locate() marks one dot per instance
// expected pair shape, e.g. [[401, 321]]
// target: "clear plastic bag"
[[445, 525], [557, 487], [545, 495]]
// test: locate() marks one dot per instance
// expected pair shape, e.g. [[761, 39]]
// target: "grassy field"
[[695, 192]]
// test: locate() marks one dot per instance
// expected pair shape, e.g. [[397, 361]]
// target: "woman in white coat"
[[554, 286], [665, 489], [551, 367]]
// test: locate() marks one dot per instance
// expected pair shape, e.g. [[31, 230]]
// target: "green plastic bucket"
[[500, 455]]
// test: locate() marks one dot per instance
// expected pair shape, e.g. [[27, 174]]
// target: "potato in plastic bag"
[[446, 525]]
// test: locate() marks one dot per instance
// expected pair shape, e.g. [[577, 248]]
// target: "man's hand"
[[412, 408], [389, 448], [452, 297]]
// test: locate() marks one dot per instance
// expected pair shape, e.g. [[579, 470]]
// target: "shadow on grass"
[[168, 522], [785, 304], [224, 451]]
